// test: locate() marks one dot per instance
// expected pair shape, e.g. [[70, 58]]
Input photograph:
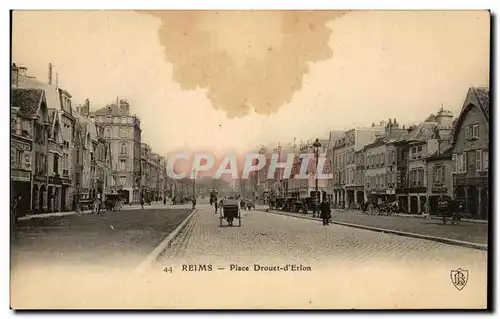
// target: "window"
[[467, 132], [17, 158], [461, 163], [123, 149], [479, 160], [56, 164], [485, 160], [382, 158], [475, 131], [438, 175], [123, 180], [109, 119], [123, 132], [122, 165]]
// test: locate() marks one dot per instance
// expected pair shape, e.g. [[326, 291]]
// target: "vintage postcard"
[[250, 159]]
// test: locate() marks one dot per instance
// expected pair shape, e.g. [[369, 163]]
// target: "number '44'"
[[167, 269]]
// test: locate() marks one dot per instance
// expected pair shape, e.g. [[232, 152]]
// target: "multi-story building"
[[375, 171], [163, 179], [307, 187], [360, 176], [425, 140], [154, 181], [84, 163], [145, 171], [55, 157], [440, 169], [123, 131], [338, 149], [470, 149], [29, 147], [103, 177], [61, 126], [33, 99], [345, 188]]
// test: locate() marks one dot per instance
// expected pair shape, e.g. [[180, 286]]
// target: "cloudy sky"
[[231, 80]]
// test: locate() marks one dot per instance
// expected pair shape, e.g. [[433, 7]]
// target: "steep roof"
[[483, 95], [476, 97], [27, 100], [423, 132], [51, 91], [378, 142]]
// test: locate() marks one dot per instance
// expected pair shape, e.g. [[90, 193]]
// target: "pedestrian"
[[194, 202], [165, 201], [142, 203], [215, 203], [325, 212], [14, 211], [96, 206]]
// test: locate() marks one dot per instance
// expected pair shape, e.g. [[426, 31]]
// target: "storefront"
[[21, 188]]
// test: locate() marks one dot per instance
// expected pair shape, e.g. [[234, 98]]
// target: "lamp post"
[[316, 146]]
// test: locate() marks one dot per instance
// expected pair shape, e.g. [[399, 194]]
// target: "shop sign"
[[20, 176]]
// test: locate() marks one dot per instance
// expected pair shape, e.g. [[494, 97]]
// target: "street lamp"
[[316, 146]]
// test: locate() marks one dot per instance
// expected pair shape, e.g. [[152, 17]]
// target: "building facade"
[[375, 171], [470, 152], [29, 149], [123, 132]]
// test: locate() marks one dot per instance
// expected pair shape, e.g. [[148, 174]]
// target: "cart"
[[230, 211]]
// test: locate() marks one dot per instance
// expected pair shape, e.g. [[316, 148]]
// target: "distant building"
[[344, 187]]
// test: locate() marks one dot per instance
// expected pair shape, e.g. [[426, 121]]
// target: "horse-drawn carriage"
[[230, 210], [113, 202]]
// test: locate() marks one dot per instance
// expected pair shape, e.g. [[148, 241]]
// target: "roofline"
[[465, 109]]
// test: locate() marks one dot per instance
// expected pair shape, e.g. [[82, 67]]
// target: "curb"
[[160, 249], [49, 215], [85, 212], [467, 220], [400, 233]]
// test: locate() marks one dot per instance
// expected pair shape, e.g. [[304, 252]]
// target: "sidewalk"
[[88, 212], [467, 232]]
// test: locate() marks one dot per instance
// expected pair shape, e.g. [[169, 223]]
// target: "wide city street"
[[382, 269], [306, 264]]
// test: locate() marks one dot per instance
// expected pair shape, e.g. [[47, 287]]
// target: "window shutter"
[[478, 160], [454, 162], [443, 174], [475, 132], [464, 162], [467, 133], [485, 161], [434, 174]]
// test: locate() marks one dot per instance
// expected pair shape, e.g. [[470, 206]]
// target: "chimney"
[[50, 73], [85, 109], [15, 75], [124, 106]]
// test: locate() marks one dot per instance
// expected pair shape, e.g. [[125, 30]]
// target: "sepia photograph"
[[250, 159]]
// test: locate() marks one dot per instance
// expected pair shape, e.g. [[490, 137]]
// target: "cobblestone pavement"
[[380, 265], [466, 231], [116, 239]]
